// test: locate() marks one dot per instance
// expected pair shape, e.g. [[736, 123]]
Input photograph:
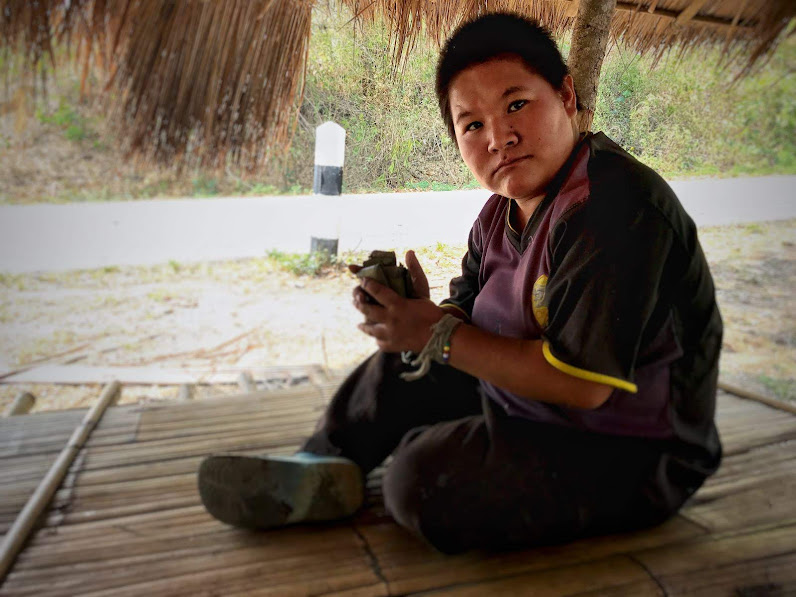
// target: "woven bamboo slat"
[[711, 561], [149, 453], [765, 503], [148, 470], [614, 573], [238, 429], [745, 424], [37, 504], [26, 457], [377, 590], [92, 550], [408, 568], [129, 521], [279, 559], [122, 528], [230, 424], [769, 576], [69, 516]]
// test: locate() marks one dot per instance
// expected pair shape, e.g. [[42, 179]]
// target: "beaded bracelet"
[[446, 352], [438, 348]]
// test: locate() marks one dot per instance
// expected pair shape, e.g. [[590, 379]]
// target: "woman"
[[575, 362]]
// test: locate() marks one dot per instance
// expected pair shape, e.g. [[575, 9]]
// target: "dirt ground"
[[252, 314]]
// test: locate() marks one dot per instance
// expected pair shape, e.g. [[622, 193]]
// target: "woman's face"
[[514, 130]]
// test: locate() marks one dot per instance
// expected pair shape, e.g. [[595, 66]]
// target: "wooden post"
[[21, 405], [246, 382], [185, 392], [749, 395], [25, 521], [589, 40]]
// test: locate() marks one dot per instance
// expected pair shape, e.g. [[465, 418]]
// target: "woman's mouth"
[[510, 162]]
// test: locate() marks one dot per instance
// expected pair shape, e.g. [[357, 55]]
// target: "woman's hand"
[[397, 323], [419, 280], [416, 273]]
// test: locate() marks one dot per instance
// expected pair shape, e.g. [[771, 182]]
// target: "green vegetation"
[[205, 187], [684, 118], [304, 264], [159, 295], [691, 117], [394, 136], [13, 281], [308, 264], [75, 127], [782, 388]]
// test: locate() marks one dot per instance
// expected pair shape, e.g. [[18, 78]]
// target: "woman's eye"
[[473, 126], [514, 106]]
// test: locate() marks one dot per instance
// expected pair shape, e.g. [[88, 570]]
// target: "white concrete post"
[[329, 158]]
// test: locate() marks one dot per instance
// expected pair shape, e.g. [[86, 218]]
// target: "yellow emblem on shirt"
[[539, 310]]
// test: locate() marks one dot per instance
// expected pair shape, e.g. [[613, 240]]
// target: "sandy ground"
[[252, 314]]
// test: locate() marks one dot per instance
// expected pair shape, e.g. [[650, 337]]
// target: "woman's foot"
[[262, 492]]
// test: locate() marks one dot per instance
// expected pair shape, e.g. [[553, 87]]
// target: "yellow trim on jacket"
[[457, 307], [584, 374]]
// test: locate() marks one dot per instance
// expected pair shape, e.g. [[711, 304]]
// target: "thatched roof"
[[221, 79], [747, 29]]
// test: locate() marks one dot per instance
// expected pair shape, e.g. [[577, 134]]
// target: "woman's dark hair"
[[490, 36]]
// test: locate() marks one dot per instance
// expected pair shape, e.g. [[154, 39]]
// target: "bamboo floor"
[[127, 519]]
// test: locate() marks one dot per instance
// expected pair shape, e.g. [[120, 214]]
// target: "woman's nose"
[[502, 137]]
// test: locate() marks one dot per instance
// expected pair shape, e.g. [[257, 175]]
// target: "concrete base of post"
[[327, 245]]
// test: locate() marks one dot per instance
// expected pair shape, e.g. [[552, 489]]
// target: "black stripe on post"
[[328, 180]]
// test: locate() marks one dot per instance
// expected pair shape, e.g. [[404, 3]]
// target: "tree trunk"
[[589, 40]]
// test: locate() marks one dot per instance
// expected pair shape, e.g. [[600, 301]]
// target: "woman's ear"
[[568, 96]]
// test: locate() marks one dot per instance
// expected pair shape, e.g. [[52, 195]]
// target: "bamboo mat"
[[128, 521]]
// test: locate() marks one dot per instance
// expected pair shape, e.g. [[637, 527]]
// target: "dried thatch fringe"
[[748, 29], [192, 81], [207, 82], [438, 18]]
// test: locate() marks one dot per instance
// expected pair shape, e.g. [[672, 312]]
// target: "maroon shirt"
[[610, 275]]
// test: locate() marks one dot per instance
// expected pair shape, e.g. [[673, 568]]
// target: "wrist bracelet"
[[446, 352], [438, 348]]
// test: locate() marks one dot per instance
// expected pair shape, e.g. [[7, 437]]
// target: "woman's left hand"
[[396, 323]]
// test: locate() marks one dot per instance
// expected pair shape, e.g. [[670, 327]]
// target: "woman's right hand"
[[416, 273]]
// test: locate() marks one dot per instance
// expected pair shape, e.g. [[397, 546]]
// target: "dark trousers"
[[466, 475]]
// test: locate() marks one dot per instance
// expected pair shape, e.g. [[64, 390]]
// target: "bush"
[[690, 117], [303, 264]]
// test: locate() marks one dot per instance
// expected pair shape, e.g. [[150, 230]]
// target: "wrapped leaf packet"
[[383, 267]]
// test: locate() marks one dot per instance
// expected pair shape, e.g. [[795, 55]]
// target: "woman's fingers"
[[419, 279], [386, 297], [375, 330], [373, 313], [360, 296]]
